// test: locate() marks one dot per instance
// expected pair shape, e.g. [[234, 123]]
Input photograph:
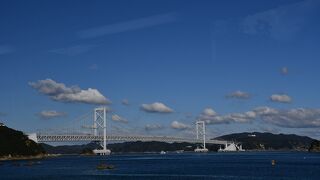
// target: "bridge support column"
[[201, 135], [100, 129]]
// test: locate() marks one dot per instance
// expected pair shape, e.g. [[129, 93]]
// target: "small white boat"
[[163, 152]]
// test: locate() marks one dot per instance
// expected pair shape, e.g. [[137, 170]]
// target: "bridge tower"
[[100, 129], [201, 135]]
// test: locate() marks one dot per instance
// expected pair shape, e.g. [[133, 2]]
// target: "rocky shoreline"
[[36, 157]]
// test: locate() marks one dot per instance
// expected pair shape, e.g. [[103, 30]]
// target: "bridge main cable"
[[74, 138]]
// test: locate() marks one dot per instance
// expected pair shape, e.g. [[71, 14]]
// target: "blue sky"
[[238, 65]]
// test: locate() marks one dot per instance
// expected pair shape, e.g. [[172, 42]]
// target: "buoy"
[[273, 162]]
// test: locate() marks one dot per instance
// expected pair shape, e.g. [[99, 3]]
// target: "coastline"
[[44, 156], [36, 157]]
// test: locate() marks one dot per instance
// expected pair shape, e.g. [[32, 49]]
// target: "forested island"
[[16, 145]]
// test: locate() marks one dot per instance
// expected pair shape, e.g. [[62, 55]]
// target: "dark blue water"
[[244, 165]]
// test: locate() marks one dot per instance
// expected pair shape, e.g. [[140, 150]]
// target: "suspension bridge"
[[99, 133]]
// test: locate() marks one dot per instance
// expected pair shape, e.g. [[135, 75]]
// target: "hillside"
[[153, 147], [126, 147], [15, 143], [315, 146], [68, 149], [269, 141]]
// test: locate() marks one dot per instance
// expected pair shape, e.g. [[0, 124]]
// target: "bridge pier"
[[102, 151]]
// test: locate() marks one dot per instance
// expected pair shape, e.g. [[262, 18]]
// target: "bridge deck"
[[72, 138]]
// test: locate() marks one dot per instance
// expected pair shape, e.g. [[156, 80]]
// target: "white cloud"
[[262, 111], [128, 25], [282, 98], [156, 107], [151, 127], [118, 118], [288, 118], [292, 118], [239, 95], [211, 117], [59, 92], [209, 112], [240, 117], [179, 126], [50, 114]]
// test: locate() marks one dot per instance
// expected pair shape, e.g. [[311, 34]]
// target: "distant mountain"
[[68, 149], [125, 147], [152, 146], [269, 141], [15, 143]]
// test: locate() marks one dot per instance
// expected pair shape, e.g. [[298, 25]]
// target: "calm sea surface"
[[244, 165]]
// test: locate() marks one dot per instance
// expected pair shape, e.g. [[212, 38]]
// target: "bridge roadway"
[[84, 137]]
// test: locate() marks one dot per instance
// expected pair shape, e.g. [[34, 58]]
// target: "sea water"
[[240, 165]]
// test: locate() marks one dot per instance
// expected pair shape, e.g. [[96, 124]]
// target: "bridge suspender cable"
[[99, 133]]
